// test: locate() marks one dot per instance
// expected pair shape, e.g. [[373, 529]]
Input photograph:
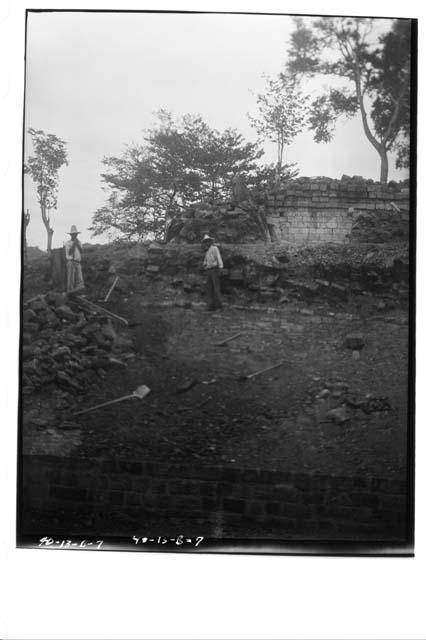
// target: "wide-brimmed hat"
[[207, 238], [73, 230]]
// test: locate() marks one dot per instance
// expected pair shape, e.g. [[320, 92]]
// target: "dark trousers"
[[214, 300]]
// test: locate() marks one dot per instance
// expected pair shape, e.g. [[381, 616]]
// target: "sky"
[[95, 80]]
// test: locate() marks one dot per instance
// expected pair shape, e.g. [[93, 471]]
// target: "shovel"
[[111, 290], [257, 373], [139, 393]]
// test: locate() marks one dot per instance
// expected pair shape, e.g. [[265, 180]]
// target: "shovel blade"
[[141, 392]]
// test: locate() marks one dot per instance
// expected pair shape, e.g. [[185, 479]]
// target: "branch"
[[396, 111], [360, 97]]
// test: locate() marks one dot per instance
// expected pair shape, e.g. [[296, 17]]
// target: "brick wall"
[[327, 210], [298, 505]]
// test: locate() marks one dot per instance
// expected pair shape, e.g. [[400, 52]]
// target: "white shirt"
[[213, 258], [68, 251]]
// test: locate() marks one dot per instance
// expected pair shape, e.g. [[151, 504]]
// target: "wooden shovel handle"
[[111, 289], [274, 366], [104, 404], [105, 311], [223, 342]]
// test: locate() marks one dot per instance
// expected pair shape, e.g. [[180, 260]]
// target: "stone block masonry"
[[318, 210], [298, 505], [304, 210]]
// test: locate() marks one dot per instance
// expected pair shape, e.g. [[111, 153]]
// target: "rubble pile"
[[224, 221], [67, 348], [268, 273]]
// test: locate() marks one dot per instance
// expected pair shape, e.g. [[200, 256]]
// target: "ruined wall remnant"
[[328, 210], [224, 221], [304, 210]]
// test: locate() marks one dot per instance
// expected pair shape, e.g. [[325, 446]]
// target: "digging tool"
[[257, 373], [102, 310], [139, 394], [223, 342], [111, 289]]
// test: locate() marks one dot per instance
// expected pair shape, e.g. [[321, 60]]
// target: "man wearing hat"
[[73, 251], [212, 265]]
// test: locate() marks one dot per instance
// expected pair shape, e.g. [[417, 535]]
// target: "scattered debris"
[[39, 422], [164, 356], [338, 415], [178, 448], [355, 341], [355, 404], [203, 403], [323, 394], [223, 342], [117, 362], [183, 304], [258, 373], [196, 406], [187, 385], [69, 425], [374, 404], [139, 393]]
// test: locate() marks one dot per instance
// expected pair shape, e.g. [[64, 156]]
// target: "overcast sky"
[[95, 79]]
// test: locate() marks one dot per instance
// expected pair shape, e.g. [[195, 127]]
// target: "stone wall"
[[296, 504], [327, 210], [304, 210]]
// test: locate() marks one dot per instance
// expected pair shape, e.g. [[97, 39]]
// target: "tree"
[[129, 222], [281, 115], [264, 178], [43, 167], [26, 220], [375, 71], [179, 163], [196, 161]]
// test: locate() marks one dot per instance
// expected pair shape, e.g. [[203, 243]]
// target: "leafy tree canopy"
[[281, 114], [49, 156], [179, 162], [375, 71]]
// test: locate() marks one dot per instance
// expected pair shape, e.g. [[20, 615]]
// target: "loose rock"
[[355, 341], [338, 415]]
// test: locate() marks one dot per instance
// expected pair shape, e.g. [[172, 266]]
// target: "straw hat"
[[207, 238], [73, 230]]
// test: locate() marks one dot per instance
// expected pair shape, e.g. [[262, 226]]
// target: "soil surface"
[[199, 410]]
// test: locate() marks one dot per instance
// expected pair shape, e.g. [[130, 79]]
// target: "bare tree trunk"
[[168, 217], [278, 166], [26, 223], [49, 239], [46, 221], [379, 146], [384, 166]]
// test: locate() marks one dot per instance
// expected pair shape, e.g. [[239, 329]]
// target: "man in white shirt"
[[212, 265], [73, 252]]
